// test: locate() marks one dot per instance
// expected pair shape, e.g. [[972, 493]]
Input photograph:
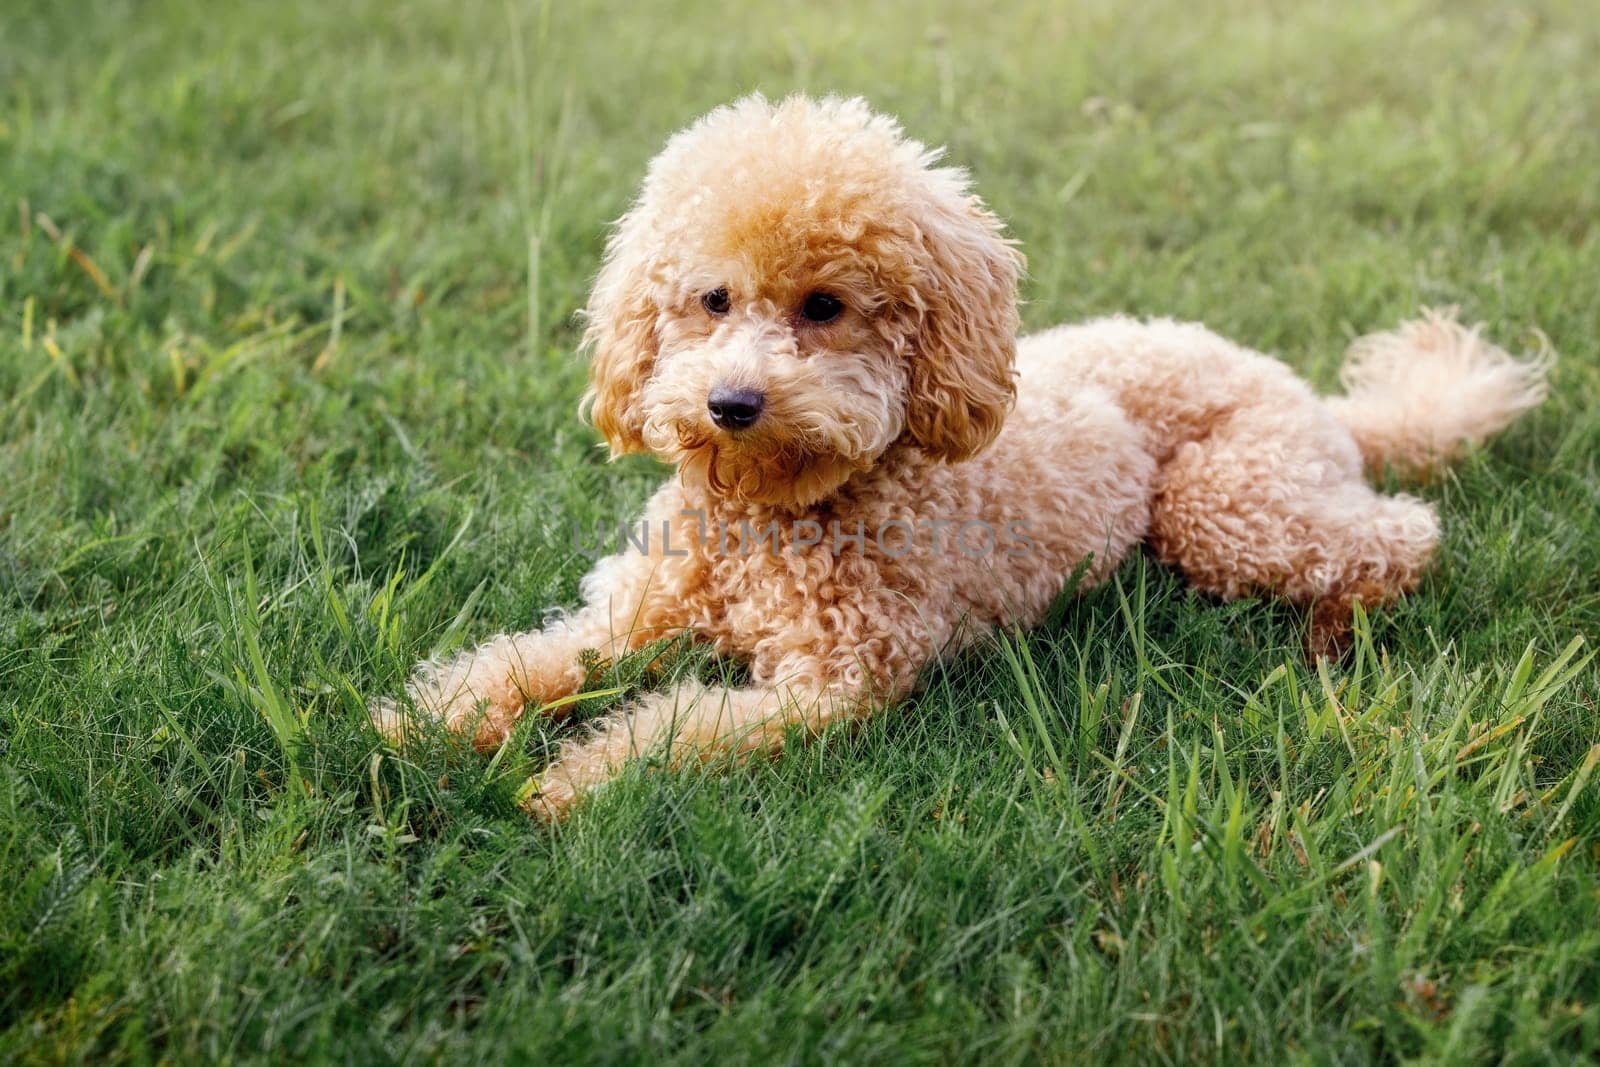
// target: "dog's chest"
[[761, 586]]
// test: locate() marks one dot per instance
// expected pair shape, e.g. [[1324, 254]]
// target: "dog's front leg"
[[628, 602], [687, 724]]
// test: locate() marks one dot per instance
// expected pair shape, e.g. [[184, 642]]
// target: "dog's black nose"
[[735, 409]]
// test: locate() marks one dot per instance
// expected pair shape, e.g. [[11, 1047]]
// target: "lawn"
[[287, 401]]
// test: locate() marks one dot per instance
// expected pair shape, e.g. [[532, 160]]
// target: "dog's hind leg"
[[1273, 502]]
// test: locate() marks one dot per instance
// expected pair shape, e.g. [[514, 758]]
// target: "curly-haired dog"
[[818, 327]]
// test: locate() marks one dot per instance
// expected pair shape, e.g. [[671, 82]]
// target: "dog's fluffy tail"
[[1416, 396]]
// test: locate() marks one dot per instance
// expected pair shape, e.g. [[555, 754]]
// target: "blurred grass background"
[[286, 402]]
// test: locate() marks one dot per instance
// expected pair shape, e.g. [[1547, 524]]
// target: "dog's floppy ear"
[[965, 341], [621, 337]]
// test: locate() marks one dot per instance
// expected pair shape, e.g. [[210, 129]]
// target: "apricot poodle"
[[816, 325]]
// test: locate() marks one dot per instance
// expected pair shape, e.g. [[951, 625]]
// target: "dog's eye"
[[821, 307], [716, 301]]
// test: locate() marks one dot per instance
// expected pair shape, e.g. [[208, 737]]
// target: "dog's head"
[[796, 289]]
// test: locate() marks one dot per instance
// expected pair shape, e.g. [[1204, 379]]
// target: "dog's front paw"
[[458, 711], [389, 719], [548, 799]]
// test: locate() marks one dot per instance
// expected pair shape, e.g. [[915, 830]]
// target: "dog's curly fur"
[[918, 405]]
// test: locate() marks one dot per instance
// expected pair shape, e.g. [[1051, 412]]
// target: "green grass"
[[287, 393]]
